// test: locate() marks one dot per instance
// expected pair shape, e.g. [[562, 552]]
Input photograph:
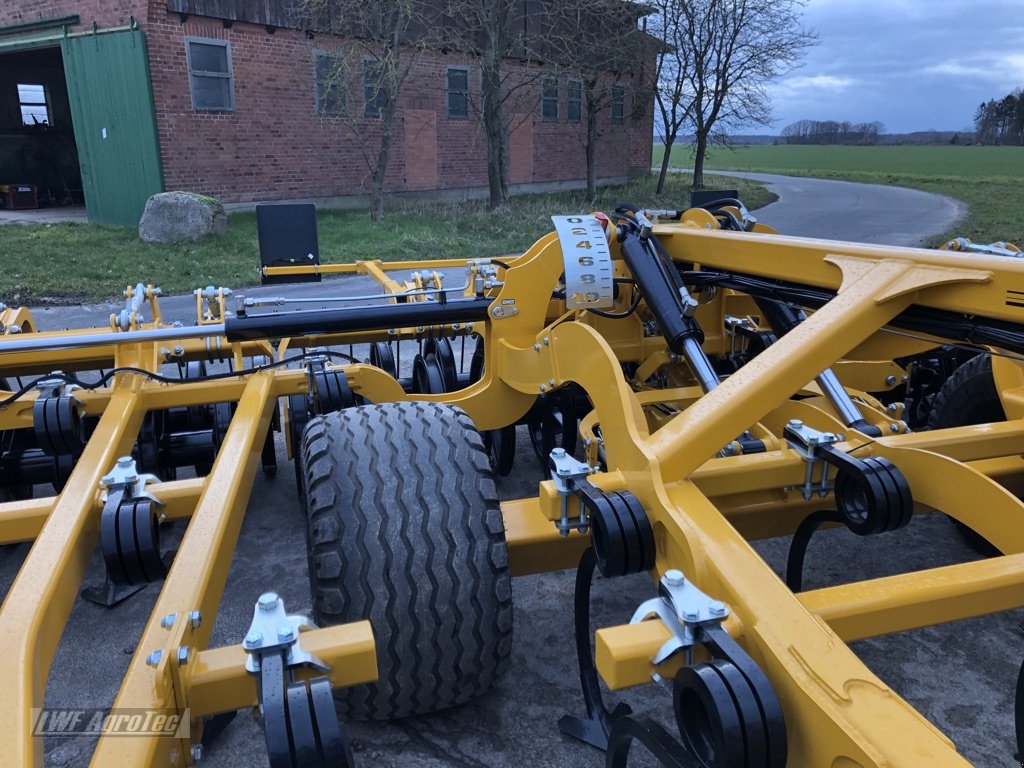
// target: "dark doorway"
[[37, 138]]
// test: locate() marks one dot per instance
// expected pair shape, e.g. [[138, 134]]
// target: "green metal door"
[[115, 125]]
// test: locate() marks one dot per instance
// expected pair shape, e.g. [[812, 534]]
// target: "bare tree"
[[596, 44], [738, 47], [383, 42], [671, 85], [495, 32]]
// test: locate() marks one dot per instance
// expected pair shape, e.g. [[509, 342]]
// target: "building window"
[[618, 103], [574, 101], [330, 84], [32, 99], [374, 94], [549, 100], [209, 74], [458, 92]]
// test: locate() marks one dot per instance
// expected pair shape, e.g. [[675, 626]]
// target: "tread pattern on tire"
[[405, 530], [969, 396]]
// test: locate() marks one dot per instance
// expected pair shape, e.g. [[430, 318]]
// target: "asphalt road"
[[959, 676], [843, 210]]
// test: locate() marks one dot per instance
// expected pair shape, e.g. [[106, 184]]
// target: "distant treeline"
[[832, 132], [1001, 122]]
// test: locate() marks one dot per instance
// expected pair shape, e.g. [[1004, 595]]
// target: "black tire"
[[967, 397], [405, 530]]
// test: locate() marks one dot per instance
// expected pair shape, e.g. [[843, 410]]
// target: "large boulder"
[[171, 217]]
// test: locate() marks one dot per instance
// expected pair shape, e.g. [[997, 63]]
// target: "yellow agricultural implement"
[[694, 381]]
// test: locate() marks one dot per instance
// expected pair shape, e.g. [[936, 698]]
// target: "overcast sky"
[[913, 65]]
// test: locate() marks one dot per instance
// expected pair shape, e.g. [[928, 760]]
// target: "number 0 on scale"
[[588, 262]]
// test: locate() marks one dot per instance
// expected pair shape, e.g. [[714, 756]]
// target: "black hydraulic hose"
[[353, 319]]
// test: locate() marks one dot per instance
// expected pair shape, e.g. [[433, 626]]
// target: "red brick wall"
[[274, 146], [106, 13]]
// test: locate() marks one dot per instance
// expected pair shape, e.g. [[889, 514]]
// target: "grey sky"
[[910, 64]]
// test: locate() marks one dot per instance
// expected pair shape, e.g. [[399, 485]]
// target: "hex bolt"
[[195, 619], [285, 634], [674, 578], [154, 658], [558, 452], [717, 608], [691, 615], [254, 638], [197, 752], [179, 350], [546, 341], [894, 428], [795, 424], [168, 621], [543, 388], [498, 312], [124, 462], [184, 652], [551, 383], [536, 347], [268, 601], [891, 407], [890, 380]]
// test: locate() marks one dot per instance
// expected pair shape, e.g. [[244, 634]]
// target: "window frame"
[[371, 108], [339, 89], [45, 104], [449, 92], [569, 100], [618, 103], [194, 73], [546, 100]]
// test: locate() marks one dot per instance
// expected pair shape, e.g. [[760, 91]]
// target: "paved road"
[[960, 677], [843, 210]]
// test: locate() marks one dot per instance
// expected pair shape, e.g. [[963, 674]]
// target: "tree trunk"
[[698, 161], [494, 130], [380, 168], [669, 142], [591, 152]]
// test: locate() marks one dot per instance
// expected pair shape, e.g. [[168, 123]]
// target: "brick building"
[[112, 100]]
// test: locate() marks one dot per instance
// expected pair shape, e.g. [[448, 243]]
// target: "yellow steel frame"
[[659, 443]]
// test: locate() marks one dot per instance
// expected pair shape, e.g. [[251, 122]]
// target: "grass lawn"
[[68, 263], [990, 180]]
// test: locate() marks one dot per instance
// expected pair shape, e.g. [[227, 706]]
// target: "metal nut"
[[674, 578], [890, 380], [285, 634], [184, 654], [498, 312], [717, 608], [795, 423], [195, 619], [254, 639], [268, 601], [154, 658], [168, 621]]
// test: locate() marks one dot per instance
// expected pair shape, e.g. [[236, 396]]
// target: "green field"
[[990, 180], [65, 263]]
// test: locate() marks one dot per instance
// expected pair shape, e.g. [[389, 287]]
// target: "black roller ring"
[[476, 361], [755, 739], [382, 357], [633, 545], [709, 721], [645, 532], [197, 414], [427, 377], [890, 501], [501, 447], [332, 391], [442, 350], [275, 712], [607, 536], [300, 724], [903, 498], [334, 747], [857, 496], [58, 426], [147, 539]]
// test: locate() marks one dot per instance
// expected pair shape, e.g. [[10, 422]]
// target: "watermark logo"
[[96, 721]]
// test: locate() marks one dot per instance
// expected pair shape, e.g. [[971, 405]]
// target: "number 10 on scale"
[[587, 260]]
